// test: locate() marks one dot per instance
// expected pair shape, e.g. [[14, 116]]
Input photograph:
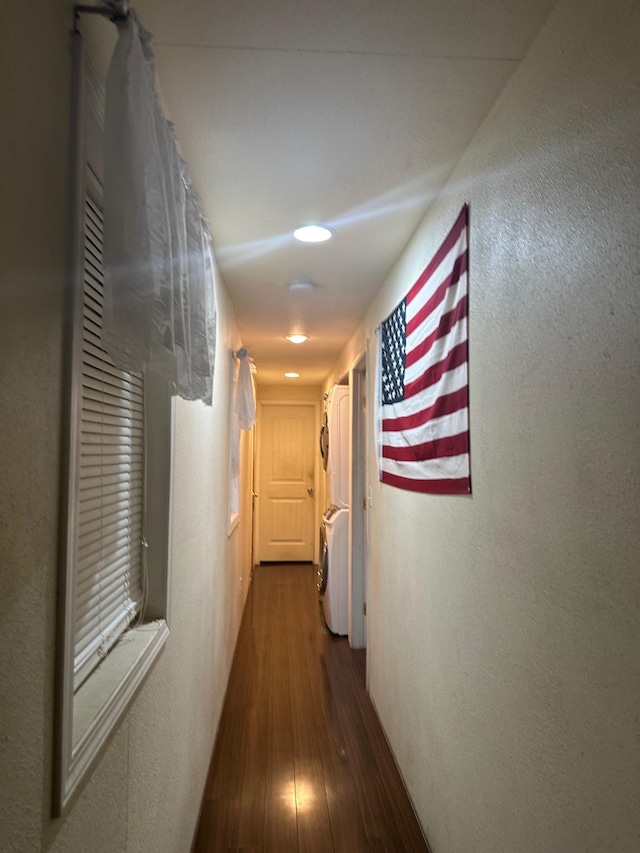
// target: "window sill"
[[100, 702]]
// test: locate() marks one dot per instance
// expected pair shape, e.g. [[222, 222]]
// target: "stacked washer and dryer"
[[333, 576]]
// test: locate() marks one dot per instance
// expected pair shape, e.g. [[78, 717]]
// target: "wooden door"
[[286, 478]]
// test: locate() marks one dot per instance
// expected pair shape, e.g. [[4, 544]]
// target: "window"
[[115, 520], [109, 541]]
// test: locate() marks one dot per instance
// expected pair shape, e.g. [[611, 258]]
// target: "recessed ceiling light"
[[292, 375], [297, 339], [312, 233]]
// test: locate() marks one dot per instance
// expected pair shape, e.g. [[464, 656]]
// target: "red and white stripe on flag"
[[424, 386]]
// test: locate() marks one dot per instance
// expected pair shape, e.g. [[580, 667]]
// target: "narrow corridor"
[[301, 762]]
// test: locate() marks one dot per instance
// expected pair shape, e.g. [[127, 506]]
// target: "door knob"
[[310, 490]]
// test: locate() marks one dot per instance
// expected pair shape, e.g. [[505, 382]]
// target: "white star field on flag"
[[393, 355]]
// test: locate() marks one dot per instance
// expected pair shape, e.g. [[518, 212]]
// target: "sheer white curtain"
[[159, 308], [245, 402]]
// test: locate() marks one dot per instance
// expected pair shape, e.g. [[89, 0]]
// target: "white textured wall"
[[505, 627], [145, 791]]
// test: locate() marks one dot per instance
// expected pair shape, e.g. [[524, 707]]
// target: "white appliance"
[[333, 582], [334, 573], [334, 446]]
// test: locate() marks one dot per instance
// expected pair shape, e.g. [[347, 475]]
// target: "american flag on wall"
[[424, 387]]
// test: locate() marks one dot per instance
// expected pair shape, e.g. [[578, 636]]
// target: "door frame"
[[256, 473], [359, 481]]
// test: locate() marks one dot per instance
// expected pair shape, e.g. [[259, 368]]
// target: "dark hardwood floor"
[[300, 762]]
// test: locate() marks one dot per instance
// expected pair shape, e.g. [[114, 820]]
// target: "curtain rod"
[[115, 10]]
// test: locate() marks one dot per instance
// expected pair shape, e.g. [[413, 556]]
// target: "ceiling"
[[350, 113]]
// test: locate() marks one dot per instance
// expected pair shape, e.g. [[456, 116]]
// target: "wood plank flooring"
[[301, 764]]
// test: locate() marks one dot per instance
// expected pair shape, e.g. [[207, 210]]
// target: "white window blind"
[[109, 583]]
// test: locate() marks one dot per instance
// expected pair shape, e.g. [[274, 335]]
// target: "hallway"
[[301, 762], [504, 626]]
